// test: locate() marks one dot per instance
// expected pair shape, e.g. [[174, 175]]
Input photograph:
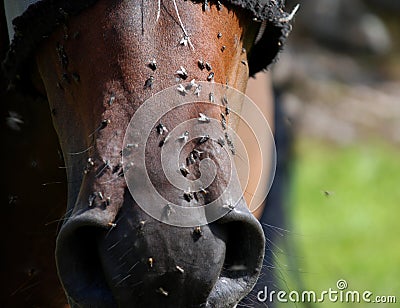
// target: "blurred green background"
[[344, 220], [340, 79]]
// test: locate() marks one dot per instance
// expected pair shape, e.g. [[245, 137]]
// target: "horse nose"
[[141, 262]]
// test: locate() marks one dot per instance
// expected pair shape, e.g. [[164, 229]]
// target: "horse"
[[96, 63]]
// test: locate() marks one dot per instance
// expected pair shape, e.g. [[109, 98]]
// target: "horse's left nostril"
[[243, 259]]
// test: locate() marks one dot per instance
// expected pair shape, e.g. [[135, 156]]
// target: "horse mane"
[[43, 17]]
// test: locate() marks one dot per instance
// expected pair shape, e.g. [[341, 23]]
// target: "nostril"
[[243, 259], [242, 256], [79, 266]]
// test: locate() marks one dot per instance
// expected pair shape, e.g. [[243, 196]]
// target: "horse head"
[[98, 63]]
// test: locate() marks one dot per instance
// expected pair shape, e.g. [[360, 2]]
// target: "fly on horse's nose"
[[149, 82], [150, 262], [184, 170], [203, 139], [161, 129], [201, 64], [184, 137], [153, 64], [182, 73], [203, 118]]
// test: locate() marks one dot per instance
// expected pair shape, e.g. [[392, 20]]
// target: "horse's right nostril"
[[80, 268]]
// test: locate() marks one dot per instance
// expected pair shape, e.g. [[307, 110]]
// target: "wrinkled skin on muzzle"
[[109, 251]]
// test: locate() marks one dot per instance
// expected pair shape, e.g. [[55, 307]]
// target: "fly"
[[141, 225], [192, 84], [184, 137], [230, 144], [223, 121], [188, 196], [184, 170], [197, 231], [150, 262], [161, 129], [197, 153], [112, 224], [203, 139], [185, 41], [89, 165], [190, 160], [100, 195], [181, 89], [198, 90], [111, 100], [104, 124], [182, 73], [153, 64], [201, 64], [203, 118], [108, 201], [149, 82], [205, 5], [229, 206], [91, 199]]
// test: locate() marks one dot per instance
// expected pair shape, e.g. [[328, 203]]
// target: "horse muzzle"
[[141, 262]]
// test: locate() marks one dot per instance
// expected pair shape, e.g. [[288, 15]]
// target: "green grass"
[[353, 233]]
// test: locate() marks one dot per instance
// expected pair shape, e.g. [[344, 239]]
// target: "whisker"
[[64, 217], [110, 181], [29, 287], [51, 183], [133, 266], [21, 287], [125, 253], [277, 229], [81, 152], [122, 280], [268, 240], [103, 124], [114, 245]]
